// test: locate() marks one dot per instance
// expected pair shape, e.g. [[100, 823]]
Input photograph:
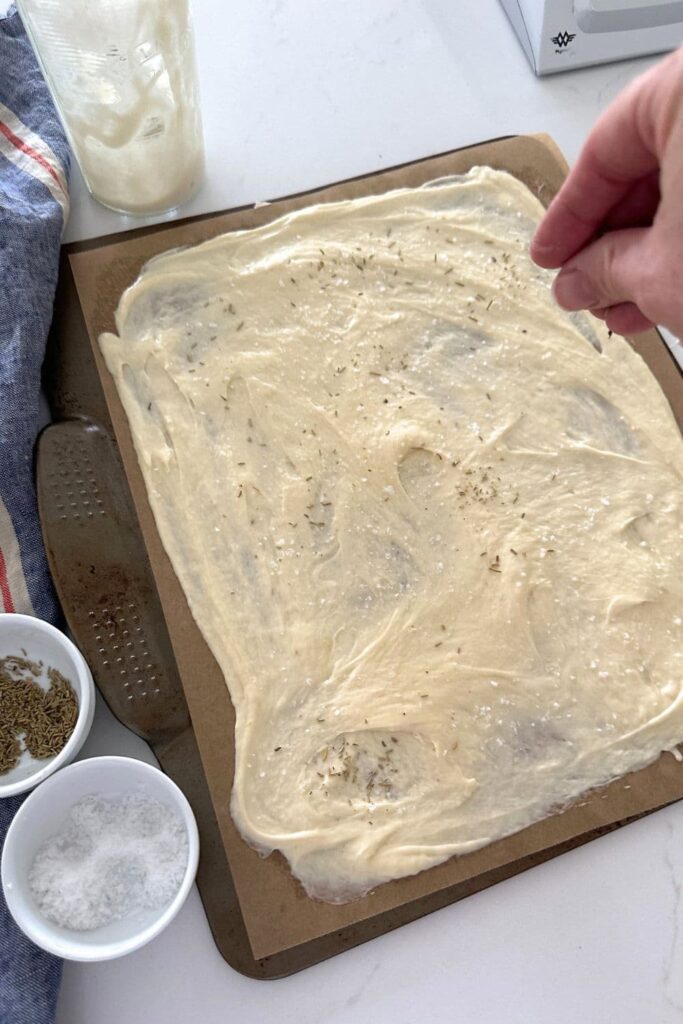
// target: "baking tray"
[[148, 655]]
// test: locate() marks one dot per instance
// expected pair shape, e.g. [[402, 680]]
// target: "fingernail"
[[573, 290], [547, 250]]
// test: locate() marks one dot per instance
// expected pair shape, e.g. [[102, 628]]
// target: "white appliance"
[[560, 34]]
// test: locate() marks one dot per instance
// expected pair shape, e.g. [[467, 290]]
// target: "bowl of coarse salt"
[[100, 858], [47, 702]]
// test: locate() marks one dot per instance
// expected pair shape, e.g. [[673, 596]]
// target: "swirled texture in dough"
[[429, 524]]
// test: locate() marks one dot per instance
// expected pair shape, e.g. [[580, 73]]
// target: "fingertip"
[[573, 290], [626, 318], [545, 254]]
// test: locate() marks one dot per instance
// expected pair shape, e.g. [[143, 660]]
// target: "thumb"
[[606, 273]]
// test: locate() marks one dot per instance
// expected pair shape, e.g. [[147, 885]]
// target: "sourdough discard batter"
[[429, 524]]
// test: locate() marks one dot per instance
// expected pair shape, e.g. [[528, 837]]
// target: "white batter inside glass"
[[429, 524]]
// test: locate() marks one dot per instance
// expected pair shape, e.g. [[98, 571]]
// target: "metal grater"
[[104, 579]]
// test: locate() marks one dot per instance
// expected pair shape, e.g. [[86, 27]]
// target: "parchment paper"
[[277, 913]]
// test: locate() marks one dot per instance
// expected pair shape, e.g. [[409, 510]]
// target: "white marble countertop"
[[299, 93]]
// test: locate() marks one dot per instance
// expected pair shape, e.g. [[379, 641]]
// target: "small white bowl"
[[42, 642], [44, 813]]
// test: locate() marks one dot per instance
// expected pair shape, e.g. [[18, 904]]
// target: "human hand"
[[615, 227]]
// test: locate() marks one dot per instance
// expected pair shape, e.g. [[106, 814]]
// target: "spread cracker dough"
[[429, 524]]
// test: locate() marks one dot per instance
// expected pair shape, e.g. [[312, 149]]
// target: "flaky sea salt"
[[114, 856]]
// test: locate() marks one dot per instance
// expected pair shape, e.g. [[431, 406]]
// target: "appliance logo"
[[562, 40]]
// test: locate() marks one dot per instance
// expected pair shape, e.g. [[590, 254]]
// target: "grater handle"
[[104, 579]]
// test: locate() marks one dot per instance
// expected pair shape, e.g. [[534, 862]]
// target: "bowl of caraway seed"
[[47, 702]]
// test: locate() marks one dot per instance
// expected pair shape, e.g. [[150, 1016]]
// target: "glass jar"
[[124, 79]]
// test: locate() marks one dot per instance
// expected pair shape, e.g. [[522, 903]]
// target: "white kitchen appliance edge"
[[557, 35]]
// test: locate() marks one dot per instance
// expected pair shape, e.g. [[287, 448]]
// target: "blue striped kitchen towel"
[[34, 164]]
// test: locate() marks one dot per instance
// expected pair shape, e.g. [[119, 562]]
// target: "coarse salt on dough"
[[429, 524]]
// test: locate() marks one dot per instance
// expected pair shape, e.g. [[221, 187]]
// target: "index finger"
[[619, 151]]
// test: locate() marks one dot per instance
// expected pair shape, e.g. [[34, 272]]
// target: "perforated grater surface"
[[107, 589]]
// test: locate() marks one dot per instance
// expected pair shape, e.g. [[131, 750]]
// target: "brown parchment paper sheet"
[[277, 913]]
